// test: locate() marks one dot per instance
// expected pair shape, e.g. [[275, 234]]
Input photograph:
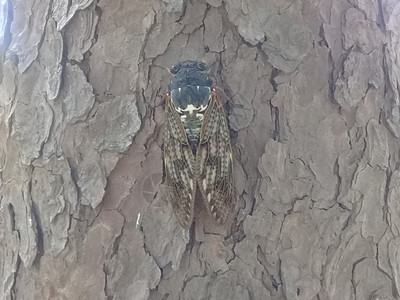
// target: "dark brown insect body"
[[197, 149]]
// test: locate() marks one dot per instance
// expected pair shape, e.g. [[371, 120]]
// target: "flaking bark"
[[313, 112]]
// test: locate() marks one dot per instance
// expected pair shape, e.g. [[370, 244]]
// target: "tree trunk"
[[313, 110]]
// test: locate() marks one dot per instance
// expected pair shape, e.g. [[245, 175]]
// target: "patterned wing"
[[214, 162], [179, 165]]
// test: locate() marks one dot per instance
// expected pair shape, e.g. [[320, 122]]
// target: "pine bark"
[[313, 109]]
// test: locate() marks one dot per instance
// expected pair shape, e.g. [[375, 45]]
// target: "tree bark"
[[313, 110]]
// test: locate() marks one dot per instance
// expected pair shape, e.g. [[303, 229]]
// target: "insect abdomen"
[[193, 129]]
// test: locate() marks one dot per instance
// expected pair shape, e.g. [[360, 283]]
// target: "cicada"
[[197, 148]]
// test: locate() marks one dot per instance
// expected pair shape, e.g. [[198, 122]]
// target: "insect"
[[197, 149]]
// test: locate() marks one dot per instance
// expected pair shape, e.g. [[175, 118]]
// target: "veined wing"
[[214, 162], [179, 163]]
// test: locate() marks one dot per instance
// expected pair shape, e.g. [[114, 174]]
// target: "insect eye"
[[201, 66], [175, 68]]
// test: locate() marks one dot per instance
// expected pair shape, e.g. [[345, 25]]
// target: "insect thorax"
[[190, 93], [191, 102]]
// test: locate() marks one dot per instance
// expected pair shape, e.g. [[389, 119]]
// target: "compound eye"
[[175, 68], [201, 66]]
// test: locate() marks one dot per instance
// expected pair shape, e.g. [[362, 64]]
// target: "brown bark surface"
[[313, 110]]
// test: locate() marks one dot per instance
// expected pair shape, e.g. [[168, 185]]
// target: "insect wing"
[[214, 162], [179, 163]]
